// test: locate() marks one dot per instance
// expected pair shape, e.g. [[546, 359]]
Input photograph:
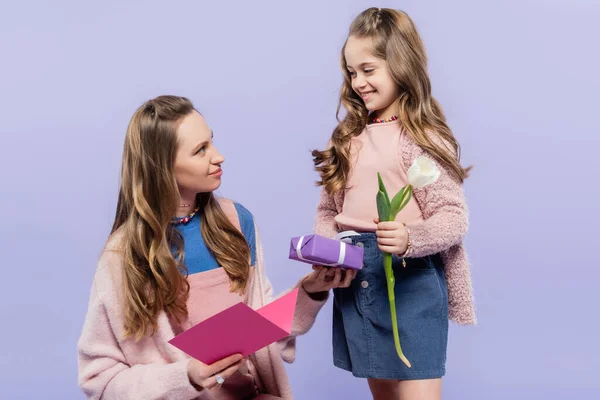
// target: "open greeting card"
[[238, 329]]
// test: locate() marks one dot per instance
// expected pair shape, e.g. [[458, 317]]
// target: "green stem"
[[391, 282]]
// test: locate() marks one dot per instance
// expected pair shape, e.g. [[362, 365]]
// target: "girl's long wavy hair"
[[153, 269], [397, 41]]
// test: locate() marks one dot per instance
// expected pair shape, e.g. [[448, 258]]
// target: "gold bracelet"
[[408, 247]]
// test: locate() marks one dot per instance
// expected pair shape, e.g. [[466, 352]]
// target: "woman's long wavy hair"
[[397, 41], [153, 267]]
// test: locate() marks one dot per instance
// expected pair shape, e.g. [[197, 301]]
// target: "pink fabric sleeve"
[[306, 308], [444, 211], [105, 374], [325, 224]]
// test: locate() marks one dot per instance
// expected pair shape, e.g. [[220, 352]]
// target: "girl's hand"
[[392, 236], [324, 278], [204, 376]]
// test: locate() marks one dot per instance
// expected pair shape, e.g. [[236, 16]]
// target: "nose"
[[359, 82], [217, 158]]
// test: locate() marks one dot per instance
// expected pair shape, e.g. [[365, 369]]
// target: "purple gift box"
[[319, 250]]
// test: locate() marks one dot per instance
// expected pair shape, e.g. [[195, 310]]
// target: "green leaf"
[[382, 189], [396, 202], [408, 196], [400, 201], [383, 207], [383, 201]]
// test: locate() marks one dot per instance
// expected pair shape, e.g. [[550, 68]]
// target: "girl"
[[177, 255], [391, 120]]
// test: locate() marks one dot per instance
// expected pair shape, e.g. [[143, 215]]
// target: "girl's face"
[[371, 79], [197, 163]]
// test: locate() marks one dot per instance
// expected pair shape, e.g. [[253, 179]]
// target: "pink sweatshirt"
[[375, 150], [443, 225], [113, 368]]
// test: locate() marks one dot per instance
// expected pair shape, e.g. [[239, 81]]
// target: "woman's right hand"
[[323, 279], [202, 376]]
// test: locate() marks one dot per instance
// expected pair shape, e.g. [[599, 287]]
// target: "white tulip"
[[422, 172]]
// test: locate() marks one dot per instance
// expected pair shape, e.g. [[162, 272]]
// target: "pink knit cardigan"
[[113, 368], [445, 224]]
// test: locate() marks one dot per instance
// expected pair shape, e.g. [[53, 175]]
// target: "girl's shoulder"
[[410, 149]]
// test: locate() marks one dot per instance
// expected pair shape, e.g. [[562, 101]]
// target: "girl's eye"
[[368, 71], [202, 150]]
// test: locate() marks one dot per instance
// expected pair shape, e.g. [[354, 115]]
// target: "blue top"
[[197, 256]]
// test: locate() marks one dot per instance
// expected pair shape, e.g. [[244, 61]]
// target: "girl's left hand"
[[392, 236], [324, 278]]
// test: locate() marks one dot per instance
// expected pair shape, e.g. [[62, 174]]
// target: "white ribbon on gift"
[[341, 256], [346, 235]]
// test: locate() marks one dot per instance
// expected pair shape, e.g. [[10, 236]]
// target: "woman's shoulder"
[[244, 221], [237, 213], [246, 217], [108, 278]]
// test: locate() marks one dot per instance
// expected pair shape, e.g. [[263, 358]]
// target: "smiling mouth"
[[365, 95], [216, 172]]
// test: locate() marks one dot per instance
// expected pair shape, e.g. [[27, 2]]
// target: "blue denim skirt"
[[363, 342]]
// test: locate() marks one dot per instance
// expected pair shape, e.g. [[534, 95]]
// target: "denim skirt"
[[363, 341]]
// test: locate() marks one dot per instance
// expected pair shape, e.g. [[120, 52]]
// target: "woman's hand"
[[324, 278], [204, 376]]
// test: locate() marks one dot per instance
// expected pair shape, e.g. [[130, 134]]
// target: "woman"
[[176, 256]]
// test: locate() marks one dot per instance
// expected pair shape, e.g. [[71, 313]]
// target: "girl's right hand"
[[203, 376]]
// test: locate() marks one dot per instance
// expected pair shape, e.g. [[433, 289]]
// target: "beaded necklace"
[[186, 219], [382, 120]]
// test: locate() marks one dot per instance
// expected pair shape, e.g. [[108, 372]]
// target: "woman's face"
[[198, 162]]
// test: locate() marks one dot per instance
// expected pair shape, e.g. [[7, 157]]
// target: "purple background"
[[518, 81]]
